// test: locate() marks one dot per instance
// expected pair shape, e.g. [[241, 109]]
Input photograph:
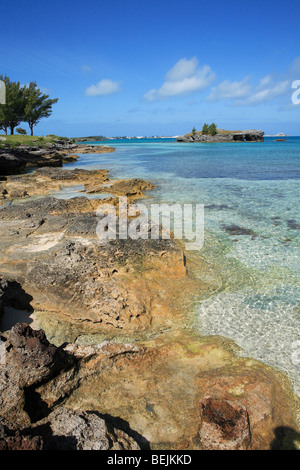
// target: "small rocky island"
[[224, 136]]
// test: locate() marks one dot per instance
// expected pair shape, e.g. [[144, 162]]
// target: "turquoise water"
[[252, 232]]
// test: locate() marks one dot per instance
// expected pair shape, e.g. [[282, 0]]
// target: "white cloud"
[[267, 94], [227, 90], [104, 87], [182, 69], [264, 81], [245, 94], [183, 79]]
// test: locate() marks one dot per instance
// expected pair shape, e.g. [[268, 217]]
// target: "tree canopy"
[[37, 105], [23, 104], [212, 130], [205, 129], [209, 130]]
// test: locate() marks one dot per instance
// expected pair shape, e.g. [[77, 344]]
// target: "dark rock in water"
[[237, 230], [219, 207], [276, 221], [293, 224]]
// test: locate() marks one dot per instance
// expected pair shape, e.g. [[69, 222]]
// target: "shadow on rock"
[[15, 296], [285, 439], [122, 425]]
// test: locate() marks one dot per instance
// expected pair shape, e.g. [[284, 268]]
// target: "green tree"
[[212, 130], [21, 131], [12, 113], [194, 130], [37, 105], [205, 129]]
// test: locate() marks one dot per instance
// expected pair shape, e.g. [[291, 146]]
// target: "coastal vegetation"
[[21, 131], [209, 129], [210, 133], [23, 104], [11, 141]]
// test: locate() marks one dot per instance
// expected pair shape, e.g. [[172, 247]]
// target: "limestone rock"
[[14, 160], [65, 429], [225, 136], [72, 278]]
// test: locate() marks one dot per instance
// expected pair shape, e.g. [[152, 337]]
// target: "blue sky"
[[130, 67]]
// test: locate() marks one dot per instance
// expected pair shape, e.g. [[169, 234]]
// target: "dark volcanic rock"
[[10, 163], [225, 425], [29, 360], [14, 441], [27, 422], [32, 355]]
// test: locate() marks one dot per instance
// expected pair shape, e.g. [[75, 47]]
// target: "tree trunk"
[[31, 130], [12, 130]]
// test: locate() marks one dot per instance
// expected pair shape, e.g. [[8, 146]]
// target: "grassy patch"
[[12, 141]]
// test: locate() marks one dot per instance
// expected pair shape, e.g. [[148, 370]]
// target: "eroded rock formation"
[[241, 136], [29, 423], [14, 160]]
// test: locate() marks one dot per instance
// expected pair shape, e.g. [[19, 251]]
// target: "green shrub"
[[21, 131]]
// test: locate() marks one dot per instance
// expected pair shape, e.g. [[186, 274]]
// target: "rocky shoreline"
[[110, 359], [224, 136], [23, 157]]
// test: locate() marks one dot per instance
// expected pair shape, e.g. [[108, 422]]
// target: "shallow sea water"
[[252, 232]]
